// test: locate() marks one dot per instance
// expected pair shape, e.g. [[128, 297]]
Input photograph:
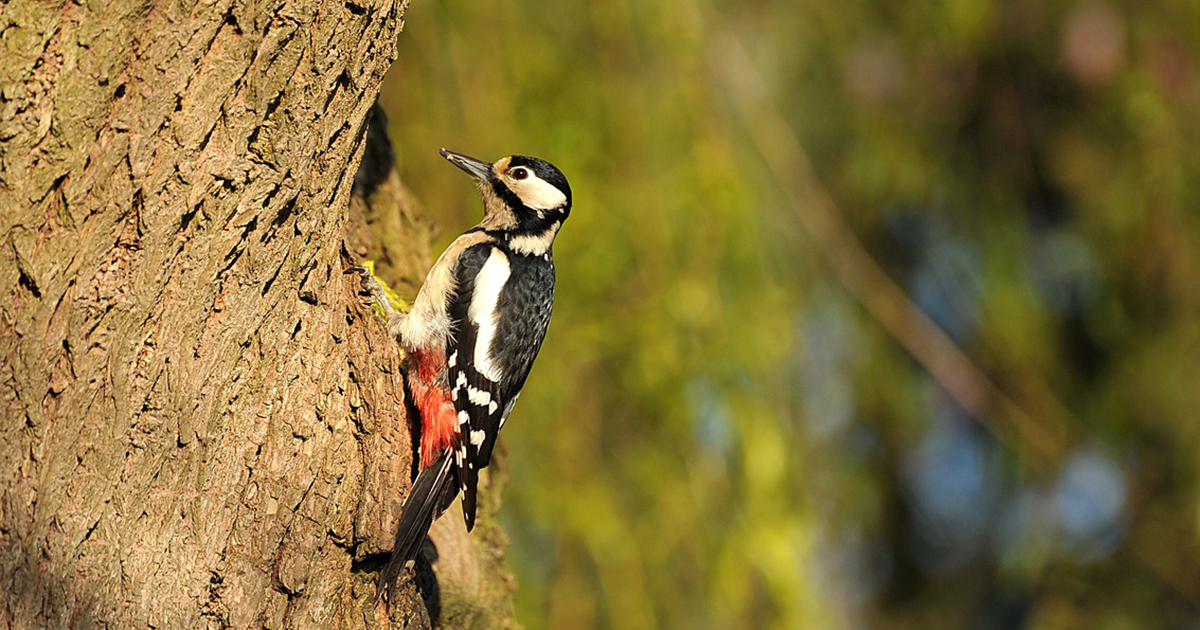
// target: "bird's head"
[[521, 194]]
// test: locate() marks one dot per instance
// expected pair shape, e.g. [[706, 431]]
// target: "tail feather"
[[420, 508], [468, 479]]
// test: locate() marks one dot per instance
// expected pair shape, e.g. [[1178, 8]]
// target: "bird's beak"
[[475, 168]]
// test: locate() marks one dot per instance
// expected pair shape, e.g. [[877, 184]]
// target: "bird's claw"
[[371, 288]]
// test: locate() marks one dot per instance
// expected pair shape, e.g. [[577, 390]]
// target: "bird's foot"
[[374, 290]]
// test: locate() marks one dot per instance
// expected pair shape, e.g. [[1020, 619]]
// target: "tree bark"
[[202, 425]]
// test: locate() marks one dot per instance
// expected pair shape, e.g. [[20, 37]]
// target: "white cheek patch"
[[539, 194], [482, 311]]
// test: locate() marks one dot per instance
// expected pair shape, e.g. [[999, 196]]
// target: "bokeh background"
[[870, 314]]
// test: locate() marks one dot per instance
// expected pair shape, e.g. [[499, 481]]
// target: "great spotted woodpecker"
[[472, 335]]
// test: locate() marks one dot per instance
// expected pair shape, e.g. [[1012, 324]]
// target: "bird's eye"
[[519, 173]]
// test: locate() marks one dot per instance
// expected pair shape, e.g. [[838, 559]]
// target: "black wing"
[[512, 297]]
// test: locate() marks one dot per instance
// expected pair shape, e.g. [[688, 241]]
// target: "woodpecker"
[[472, 335]]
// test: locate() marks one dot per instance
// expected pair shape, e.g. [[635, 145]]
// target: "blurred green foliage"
[[717, 434]]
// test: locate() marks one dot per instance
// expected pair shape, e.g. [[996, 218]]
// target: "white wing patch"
[[482, 311], [428, 324], [478, 397]]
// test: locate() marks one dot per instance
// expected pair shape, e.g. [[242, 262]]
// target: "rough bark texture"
[[201, 425]]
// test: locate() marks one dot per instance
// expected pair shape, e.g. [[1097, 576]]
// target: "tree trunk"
[[202, 425]]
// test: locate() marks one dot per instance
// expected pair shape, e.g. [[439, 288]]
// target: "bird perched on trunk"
[[472, 335]]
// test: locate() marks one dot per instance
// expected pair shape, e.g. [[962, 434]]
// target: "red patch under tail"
[[439, 420]]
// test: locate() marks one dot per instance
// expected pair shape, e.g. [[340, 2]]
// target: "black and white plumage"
[[500, 313], [473, 333]]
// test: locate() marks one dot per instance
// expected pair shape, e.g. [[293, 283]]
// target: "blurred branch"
[[1038, 428], [1040, 432]]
